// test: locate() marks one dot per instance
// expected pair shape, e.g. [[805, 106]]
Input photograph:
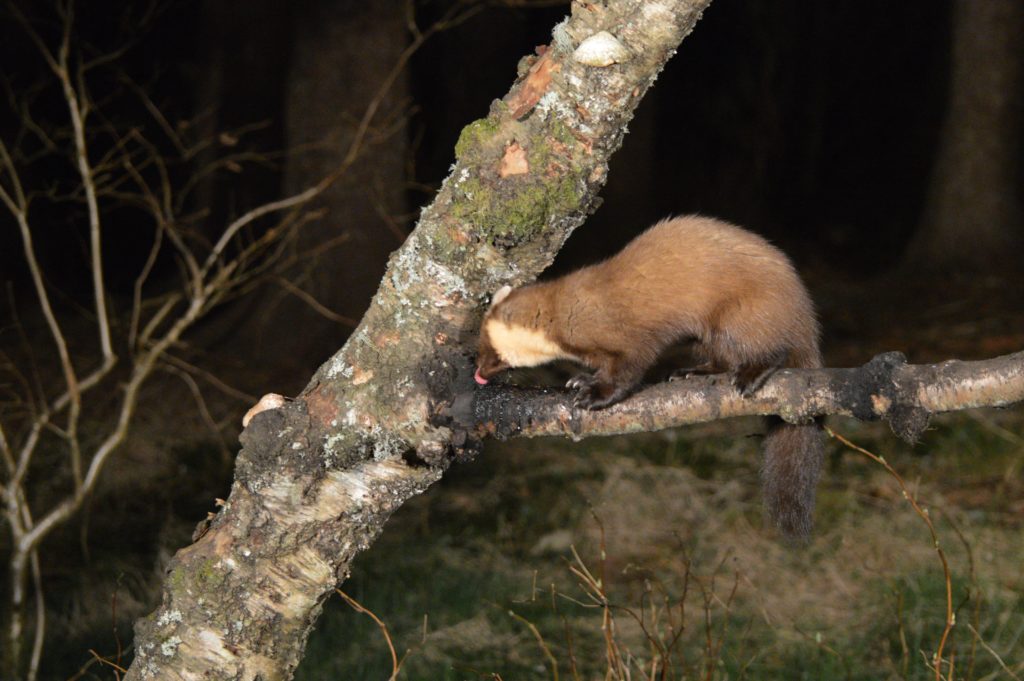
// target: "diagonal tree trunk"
[[316, 480]]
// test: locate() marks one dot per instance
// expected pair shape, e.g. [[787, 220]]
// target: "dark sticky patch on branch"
[[886, 388]]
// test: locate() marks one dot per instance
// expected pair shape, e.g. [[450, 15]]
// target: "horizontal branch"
[[886, 388]]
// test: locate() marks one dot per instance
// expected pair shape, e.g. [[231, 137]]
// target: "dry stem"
[[950, 621], [358, 607]]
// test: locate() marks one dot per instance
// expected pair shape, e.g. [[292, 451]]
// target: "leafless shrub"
[[69, 404]]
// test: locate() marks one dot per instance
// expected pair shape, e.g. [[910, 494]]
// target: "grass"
[[679, 518], [477, 578]]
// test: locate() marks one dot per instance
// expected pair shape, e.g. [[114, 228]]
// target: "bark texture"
[[886, 388], [316, 480]]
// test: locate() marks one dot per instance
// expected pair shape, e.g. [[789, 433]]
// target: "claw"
[[749, 382], [584, 387], [580, 382]]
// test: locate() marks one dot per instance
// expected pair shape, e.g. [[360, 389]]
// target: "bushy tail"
[[792, 466]]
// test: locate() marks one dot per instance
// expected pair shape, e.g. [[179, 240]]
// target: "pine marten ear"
[[500, 295]]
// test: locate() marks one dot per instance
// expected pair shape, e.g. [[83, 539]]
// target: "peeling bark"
[[317, 478]]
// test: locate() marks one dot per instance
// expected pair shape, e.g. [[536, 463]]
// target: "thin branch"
[[540, 642], [258, 212], [140, 281], [143, 367], [157, 115], [204, 411], [993, 653], [5, 449], [118, 669], [924, 515], [163, 207], [319, 307], [34, 392], [358, 607], [231, 162], [158, 317], [453, 17], [18, 206], [40, 635], [20, 103], [78, 109], [241, 395], [42, 420], [48, 57]]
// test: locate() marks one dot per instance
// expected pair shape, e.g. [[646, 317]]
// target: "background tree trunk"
[[974, 218], [343, 51], [316, 479]]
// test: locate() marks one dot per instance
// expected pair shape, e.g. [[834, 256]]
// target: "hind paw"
[[748, 380]]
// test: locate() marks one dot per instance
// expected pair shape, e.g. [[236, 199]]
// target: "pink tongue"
[[479, 379]]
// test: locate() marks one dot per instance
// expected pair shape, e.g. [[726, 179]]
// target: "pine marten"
[[729, 291]]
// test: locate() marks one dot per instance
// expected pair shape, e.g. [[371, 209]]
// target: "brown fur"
[[728, 290]]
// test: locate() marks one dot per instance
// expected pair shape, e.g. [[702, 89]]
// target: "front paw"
[[581, 382], [585, 387], [594, 396]]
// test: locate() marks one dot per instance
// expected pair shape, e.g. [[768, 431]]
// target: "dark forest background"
[[829, 127]]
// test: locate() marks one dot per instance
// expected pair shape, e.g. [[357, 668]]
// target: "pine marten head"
[[510, 335]]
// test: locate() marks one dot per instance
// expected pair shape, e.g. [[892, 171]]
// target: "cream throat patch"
[[523, 347]]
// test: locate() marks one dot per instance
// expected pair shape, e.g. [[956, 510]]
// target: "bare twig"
[[78, 110], [950, 620], [18, 206], [540, 642], [118, 669], [455, 15], [113, 625], [133, 324], [131, 171], [319, 307], [358, 607], [212, 379], [299, 199], [216, 429], [40, 635], [973, 593], [993, 653]]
